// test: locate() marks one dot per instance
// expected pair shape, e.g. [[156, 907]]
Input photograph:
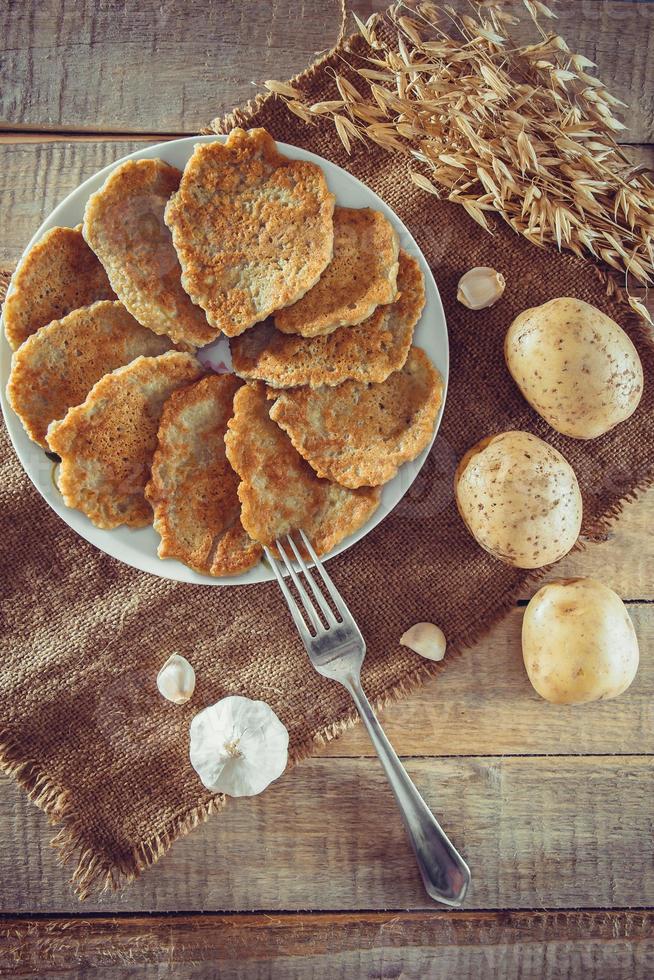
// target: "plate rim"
[[13, 423]]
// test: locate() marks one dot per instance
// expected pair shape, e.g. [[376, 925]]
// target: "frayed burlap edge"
[[94, 870], [105, 871]]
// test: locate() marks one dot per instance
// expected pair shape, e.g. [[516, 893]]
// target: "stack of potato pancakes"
[[328, 396]]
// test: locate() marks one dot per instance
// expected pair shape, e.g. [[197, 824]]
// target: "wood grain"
[[483, 702], [38, 171], [171, 66], [539, 832], [153, 66], [622, 557], [433, 945], [35, 177]]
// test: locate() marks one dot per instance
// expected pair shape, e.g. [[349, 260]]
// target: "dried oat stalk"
[[525, 131]]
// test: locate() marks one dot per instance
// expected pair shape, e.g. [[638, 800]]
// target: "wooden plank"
[[11, 137], [38, 171], [35, 177], [621, 557], [170, 67], [539, 832], [483, 702], [434, 945], [151, 66]]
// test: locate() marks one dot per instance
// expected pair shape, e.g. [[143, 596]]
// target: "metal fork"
[[336, 649]]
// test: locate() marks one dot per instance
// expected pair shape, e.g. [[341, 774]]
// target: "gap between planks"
[[282, 916], [29, 135], [81, 136]]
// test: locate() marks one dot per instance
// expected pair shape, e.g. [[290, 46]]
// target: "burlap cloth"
[[82, 727]]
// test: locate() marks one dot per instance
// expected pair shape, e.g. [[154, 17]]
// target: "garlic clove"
[[426, 639], [238, 746], [176, 679], [480, 287]]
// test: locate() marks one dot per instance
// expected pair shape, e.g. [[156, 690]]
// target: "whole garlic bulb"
[[480, 287], [238, 746], [426, 639], [176, 679]]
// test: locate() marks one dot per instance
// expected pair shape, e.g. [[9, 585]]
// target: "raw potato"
[[578, 642], [575, 366], [519, 499]]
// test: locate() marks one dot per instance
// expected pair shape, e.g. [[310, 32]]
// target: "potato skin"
[[575, 366], [578, 642], [519, 499]]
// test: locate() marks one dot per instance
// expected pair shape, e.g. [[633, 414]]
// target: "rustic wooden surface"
[[333, 946], [552, 805]]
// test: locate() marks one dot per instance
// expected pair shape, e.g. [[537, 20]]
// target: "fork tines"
[[313, 622]]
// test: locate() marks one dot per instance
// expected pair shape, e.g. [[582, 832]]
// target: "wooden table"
[[552, 806]]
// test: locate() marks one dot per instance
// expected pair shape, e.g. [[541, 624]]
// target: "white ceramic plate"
[[138, 547]]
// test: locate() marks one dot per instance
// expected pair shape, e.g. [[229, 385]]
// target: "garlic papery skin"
[[176, 679], [238, 746], [480, 287], [426, 639]]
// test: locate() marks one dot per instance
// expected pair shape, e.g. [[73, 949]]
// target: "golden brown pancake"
[[58, 274], [193, 489], [359, 434], [253, 229], [369, 351], [107, 443], [124, 225], [279, 492], [59, 364], [361, 276]]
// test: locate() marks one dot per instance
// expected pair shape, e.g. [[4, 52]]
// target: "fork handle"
[[445, 874]]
